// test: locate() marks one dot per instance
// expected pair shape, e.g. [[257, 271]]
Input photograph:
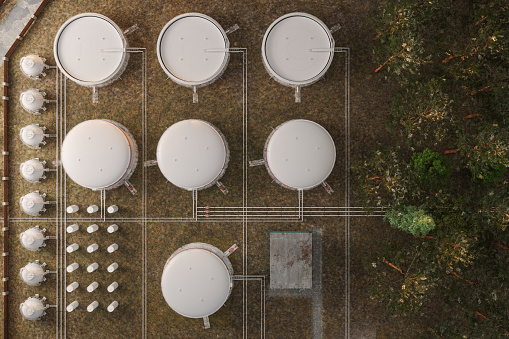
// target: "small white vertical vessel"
[[33, 273], [33, 66], [33, 308], [33, 239]]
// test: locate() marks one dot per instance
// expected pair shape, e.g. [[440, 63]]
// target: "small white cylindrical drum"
[[297, 49], [90, 50], [33, 170], [92, 306], [73, 286], [33, 66], [72, 248], [112, 209], [73, 209], [92, 267], [72, 306], [72, 228], [33, 238], [112, 306], [32, 101], [192, 154], [33, 203], [112, 228], [33, 136], [92, 228], [92, 209], [197, 280], [193, 50], [112, 248], [92, 248], [99, 154], [33, 308], [33, 273], [112, 268], [92, 286], [72, 267], [299, 154], [112, 287]]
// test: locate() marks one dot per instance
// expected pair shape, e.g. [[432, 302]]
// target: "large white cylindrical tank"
[[33, 170], [33, 273], [192, 154], [197, 280], [90, 49], [297, 49], [33, 308], [99, 154], [299, 154], [33, 238], [192, 49]]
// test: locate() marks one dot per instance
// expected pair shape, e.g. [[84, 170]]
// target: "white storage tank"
[[33, 101], [89, 49], [99, 154], [197, 280], [299, 154], [33, 170], [33, 66], [33, 238], [192, 154], [192, 49], [297, 49], [33, 135], [33, 308], [33, 273], [33, 203]]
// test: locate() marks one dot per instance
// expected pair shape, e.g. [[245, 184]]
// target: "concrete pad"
[[291, 260]]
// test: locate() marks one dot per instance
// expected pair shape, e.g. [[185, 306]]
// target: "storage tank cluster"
[[34, 273], [92, 267], [193, 50], [33, 101]]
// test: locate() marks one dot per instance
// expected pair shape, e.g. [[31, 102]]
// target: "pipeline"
[[5, 177]]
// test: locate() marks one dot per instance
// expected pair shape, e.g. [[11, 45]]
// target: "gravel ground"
[[269, 104]]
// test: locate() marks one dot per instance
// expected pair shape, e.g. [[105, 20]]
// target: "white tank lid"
[[33, 203], [287, 44], [192, 154], [32, 239], [32, 100], [300, 154], [32, 170], [32, 65], [181, 48], [33, 273], [96, 154], [79, 46], [32, 135], [32, 308], [196, 283]]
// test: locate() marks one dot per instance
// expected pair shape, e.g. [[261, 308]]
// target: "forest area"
[[444, 180]]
